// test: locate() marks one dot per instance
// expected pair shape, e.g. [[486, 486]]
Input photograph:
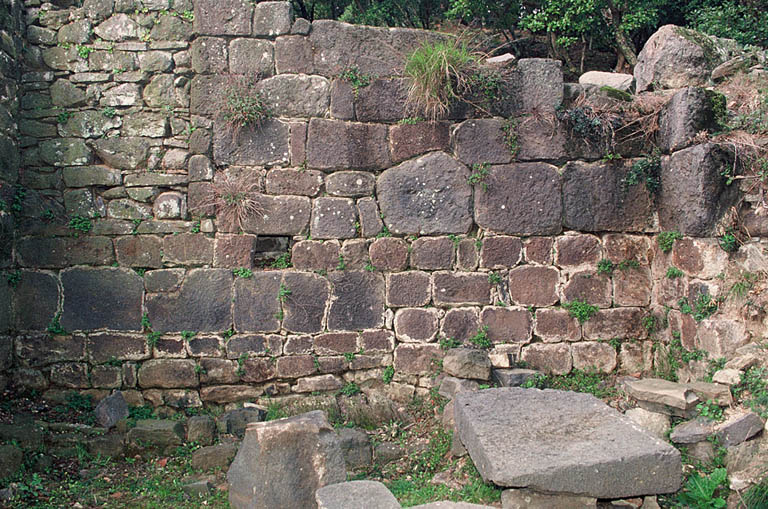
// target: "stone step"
[[562, 442]]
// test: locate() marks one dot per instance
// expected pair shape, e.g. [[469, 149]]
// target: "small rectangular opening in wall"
[[271, 248]]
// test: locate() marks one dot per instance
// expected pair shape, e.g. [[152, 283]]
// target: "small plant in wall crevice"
[[234, 199], [243, 105]]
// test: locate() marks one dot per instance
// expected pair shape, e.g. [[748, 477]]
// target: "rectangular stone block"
[[281, 215], [452, 288], [334, 144], [107, 298], [223, 17], [265, 144], [409, 140]]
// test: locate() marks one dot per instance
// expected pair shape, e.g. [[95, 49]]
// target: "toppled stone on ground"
[[282, 463], [739, 428], [214, 456], [111, 409], [692, 431], [562, 442], [355, 447], [655, 423], [529, 499], [469, 363], [354, 494], [513, 377], [450, 386], [662, 396]]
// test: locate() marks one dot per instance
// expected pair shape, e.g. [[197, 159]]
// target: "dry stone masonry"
[[400, 232]]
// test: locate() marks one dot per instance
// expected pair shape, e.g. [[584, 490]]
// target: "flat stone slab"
[[351, 494], [656, 394], [562, 442]]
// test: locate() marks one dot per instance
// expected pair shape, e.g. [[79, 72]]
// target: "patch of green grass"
[[350, 389], [577, 380], [282, 262], [703, 307], [283, 293], [13, 278], [605, 267], [741, 288], [628, 264], [355, 78], [55, 327], [728, 242], [580, 310], [410, 120], [756, 497], [455, 239], [188, 334], [646, 171], [494, 278], [243, 105], [674, 272], [388, 374], [666, 240], [448, 343], [710, 410], [481, 338], [109, 112], [153, 338], [275, 411], [342, 264], [480, 172], [242, 272], [80, 224], [753, 390], [705, 491]]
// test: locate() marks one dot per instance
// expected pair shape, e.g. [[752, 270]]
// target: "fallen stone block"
[[450, 386], [282, 463], [739, 429], [214, 456], [467, 363], [529, 499], [355, 447], [663, 396], [655, 423], [513, 377], [562, 442], [693, 431], [718, 393], [354, 494], [111, 409]]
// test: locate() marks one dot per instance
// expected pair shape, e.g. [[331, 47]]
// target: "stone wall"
[[392, 245]]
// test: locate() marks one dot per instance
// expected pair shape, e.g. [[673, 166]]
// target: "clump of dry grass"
[[234, 199]]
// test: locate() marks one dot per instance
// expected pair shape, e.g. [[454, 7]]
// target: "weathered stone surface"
[[272, 18], [150, 125], [578, 251], [739, 428], [389, 254], [66, 94], [355, 447], [315, 255], [460, 323], [333, 144], [693, 431], [214, 456], [551, 359], [117, 28], [125, 152], [693, 193], [188, 248], [593, 356], [229, 17], [595, 198], [350, 183], [84, 176], [305, 446], [416, 325], [450, 386], [615, 80], [529, 499], [623, 323], [383, 100], [202, 303], [507, 325], [157, 434], [357, 301], [65, 152], [534, 286], [11, 460], [656, 423], [101, 298], [296, 95], [88, 124], [453, 288], [39, 350], [139, 251], [208, 55], [439, 203], [500, 252], [409, 140], [170, 205], [675, 57], [538, 85], [305, 306], [256, 302], [588, 286], [333, 218], [504, 429], [481, 141], [167, 373], [520, 199], [408, 289], [265, 144], [236, 421], [469, 363], [348, 495], [36, 300], [282, 215], [675, 398], [111, 409], [293, 54], [512, 377], [687, 113], [416, 359], [304, 183]]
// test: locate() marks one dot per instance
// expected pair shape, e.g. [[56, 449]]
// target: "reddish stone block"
[[538, 250], [416, 325], [335, 343], [702, 258], [332, 364], [258, 370], [587, 286], [169, 347], [409, 140], [408, 289], [636, 358], [551, 359], [369, 361], [389, 253], [632, 287], [296, 366], [461, 288], [168, 373], [355, 254], [467, 254], [593, 355], [298, 345], [620, 247], [460, 323], [315, 255], [417, 359], [163, 280], [293, 54], [668, 292], [139, 251], [205, 346], [432, 253], [507, 325], [188, 249], [334, 144], [377, 341], [218, 371], [298, 182], [556, 325], [90, 251], [622, 323], [580, 250], [106, 377], [298, 143], [534, 286], [500, 252], [233, 251], [200, 198], [370, 217]]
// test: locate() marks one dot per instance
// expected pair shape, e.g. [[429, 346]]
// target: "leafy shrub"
[[580, 310], [481, 338], [700, 491], [666, 240]]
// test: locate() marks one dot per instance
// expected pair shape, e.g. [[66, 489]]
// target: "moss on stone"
[[615, 93], [719, 108]]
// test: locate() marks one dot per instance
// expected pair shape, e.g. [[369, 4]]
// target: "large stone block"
[[507, 325], [557, 441], [167, 373], [39, 350], [208, 55], [124, 152], [272, 18], [293, 54], [101, 298], [256, 305], [357, 301], [281, 215], [429, 195], [537, 86], [589, 287], [305, 306], [347, 495], [188, 249], [139, 251], [417, 359], [500, 252], [416, 325], [315, 255], [534, 286], [202, 303], [551, 359], [687, 113], [693, 193], [383, 100], [408, 289], [389, 254], [350, 183], [296, 95], [251, 57], [65, 152], [596, 198], [106, 346], [333, 218], [556, 325], [36, 300], [334, 144], [593, 356], [453, 288], [299, 182], [460, 323], [481, 141], [265, 144], [408, 140], [282, 463], [223, 17], [520, 199], [432, 253]]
